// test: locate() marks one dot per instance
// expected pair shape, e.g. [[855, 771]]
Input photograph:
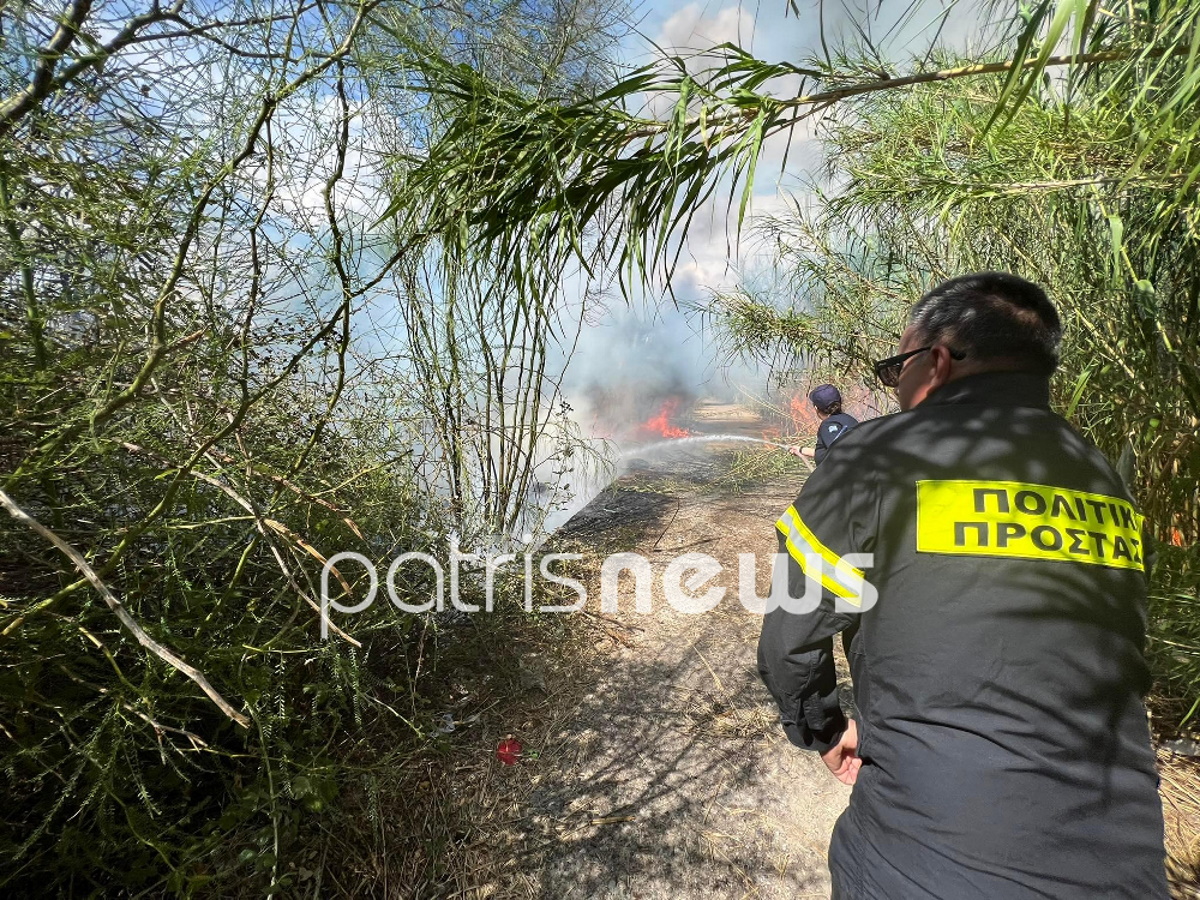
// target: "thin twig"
[[678, 506], [122, 613], [262, 524]]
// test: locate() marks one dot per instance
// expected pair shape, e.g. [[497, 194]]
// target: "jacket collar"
[[994, 389]]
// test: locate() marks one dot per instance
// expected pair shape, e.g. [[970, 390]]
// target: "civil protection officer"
[[827, 401], [999, 747]]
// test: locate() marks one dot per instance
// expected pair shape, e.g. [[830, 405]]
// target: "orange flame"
[[804, 417], [661, 423]]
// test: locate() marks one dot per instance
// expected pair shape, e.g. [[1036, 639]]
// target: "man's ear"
[[941, 366]]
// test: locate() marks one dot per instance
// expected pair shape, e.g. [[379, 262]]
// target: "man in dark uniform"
[[827, 401], [999, 748]]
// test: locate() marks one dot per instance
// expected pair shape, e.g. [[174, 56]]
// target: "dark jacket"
[[830, 429], [999, 675]]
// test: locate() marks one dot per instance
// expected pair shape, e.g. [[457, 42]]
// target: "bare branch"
[[262, 524], [42, 82], [122, 613]]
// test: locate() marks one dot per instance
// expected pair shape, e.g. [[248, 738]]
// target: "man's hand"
[[842, 758], [805, 452]]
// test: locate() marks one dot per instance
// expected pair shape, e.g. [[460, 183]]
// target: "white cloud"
[[712, 252], [692, 29]]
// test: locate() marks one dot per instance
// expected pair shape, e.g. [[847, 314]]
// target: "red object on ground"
[[509, 751]]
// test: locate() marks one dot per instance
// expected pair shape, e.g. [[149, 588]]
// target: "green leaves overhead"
[[528, 185]]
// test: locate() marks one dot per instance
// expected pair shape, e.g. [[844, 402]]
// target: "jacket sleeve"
[[829, 519], [795, 661], [821, 447]]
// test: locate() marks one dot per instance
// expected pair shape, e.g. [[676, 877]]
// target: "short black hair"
[[992, 316], [832, 409]]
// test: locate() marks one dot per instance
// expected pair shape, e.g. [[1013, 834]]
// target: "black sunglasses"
[[887, 371]]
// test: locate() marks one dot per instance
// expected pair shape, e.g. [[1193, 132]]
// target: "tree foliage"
[[203, 397], [541, 181], [1065, 149]]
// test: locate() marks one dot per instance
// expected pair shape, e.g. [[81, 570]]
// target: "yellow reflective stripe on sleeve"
[[1027, 521], [802, 543]]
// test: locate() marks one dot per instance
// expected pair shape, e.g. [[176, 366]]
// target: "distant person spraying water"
[[827, 401]]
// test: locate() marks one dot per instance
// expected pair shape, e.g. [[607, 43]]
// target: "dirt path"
[[658, 769], [668, 776]]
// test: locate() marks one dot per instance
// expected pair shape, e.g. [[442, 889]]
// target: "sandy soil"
[[669, 776], [659, 769]]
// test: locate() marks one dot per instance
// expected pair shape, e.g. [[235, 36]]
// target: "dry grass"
[[460, 824], [1180, 790], [750, 468], [453, 823]]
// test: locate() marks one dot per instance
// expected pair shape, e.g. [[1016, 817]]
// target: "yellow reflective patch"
[[1027, 521], [801, 542]]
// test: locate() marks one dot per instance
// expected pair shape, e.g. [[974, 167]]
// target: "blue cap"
[[825, 396]]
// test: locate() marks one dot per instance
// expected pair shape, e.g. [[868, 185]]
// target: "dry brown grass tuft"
[[1180, 790]]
